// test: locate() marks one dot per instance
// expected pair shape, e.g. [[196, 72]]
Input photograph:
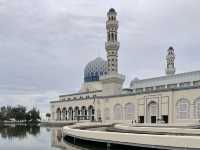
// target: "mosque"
[[170, 99]]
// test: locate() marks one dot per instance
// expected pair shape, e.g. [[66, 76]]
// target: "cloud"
[[44, 45]]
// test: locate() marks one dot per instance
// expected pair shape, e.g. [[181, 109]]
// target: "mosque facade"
[[169, 99]]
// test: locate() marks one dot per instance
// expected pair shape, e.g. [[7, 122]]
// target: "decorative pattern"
[[112, 44], [95, 69], [182, 109]]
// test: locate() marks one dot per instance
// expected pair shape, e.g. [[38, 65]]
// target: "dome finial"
[[112, 10]]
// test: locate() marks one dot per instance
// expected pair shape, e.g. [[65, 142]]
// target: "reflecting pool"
[[21, 137]]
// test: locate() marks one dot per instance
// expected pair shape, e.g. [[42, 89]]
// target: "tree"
[[5, 113], [34, 115], [2, 118], [48, 115], [19, 113]]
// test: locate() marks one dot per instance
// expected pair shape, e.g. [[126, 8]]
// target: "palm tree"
[[48, 115]]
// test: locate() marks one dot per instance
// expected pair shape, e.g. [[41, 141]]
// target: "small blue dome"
[[95, 69]]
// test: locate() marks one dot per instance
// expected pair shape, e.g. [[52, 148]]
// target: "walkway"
[[143, 140]]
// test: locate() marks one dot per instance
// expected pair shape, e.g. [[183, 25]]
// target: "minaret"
[[112, 44], [170, 69], [112, 82]]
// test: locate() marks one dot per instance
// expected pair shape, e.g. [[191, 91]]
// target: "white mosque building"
[[170, 99]]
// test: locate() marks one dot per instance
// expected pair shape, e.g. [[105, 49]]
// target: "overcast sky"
[[45, 44]]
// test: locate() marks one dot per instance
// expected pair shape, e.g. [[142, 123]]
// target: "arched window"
[[64, 114], [118, 112], [182, 109], [129, 110], [153, 108], [70, 113], [112, 35], [106, 114], [91, 112], [84, 112], [197, 108], [76, 113], [58, 114]]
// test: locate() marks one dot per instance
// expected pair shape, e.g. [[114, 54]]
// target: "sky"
[[45, 44]]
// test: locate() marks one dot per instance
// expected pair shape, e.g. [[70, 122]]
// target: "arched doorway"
[[91, 112], [58, 114], [64, 114], [152, 112], [76, 113], [83, 113], [70, 113]]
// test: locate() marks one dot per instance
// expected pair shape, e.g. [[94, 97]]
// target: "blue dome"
[[95, 69]]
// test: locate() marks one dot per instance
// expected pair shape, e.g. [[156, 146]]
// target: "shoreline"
[[41, 124]]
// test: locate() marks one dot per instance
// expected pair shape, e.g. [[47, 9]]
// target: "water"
[[23, 137]]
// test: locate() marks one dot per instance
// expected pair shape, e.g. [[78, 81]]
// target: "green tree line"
[[19, 113]]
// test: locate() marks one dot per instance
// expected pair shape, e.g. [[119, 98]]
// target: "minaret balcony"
[[112, 24], [112, 45], [170, 71], [170, 57]]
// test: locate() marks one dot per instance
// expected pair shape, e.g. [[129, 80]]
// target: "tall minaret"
[[112, 83], [112, 45], [170, 69]]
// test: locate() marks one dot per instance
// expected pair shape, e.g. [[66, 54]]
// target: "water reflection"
[[56, 138], [18, 131], [58, 141], [18, 137], [44, 138]]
